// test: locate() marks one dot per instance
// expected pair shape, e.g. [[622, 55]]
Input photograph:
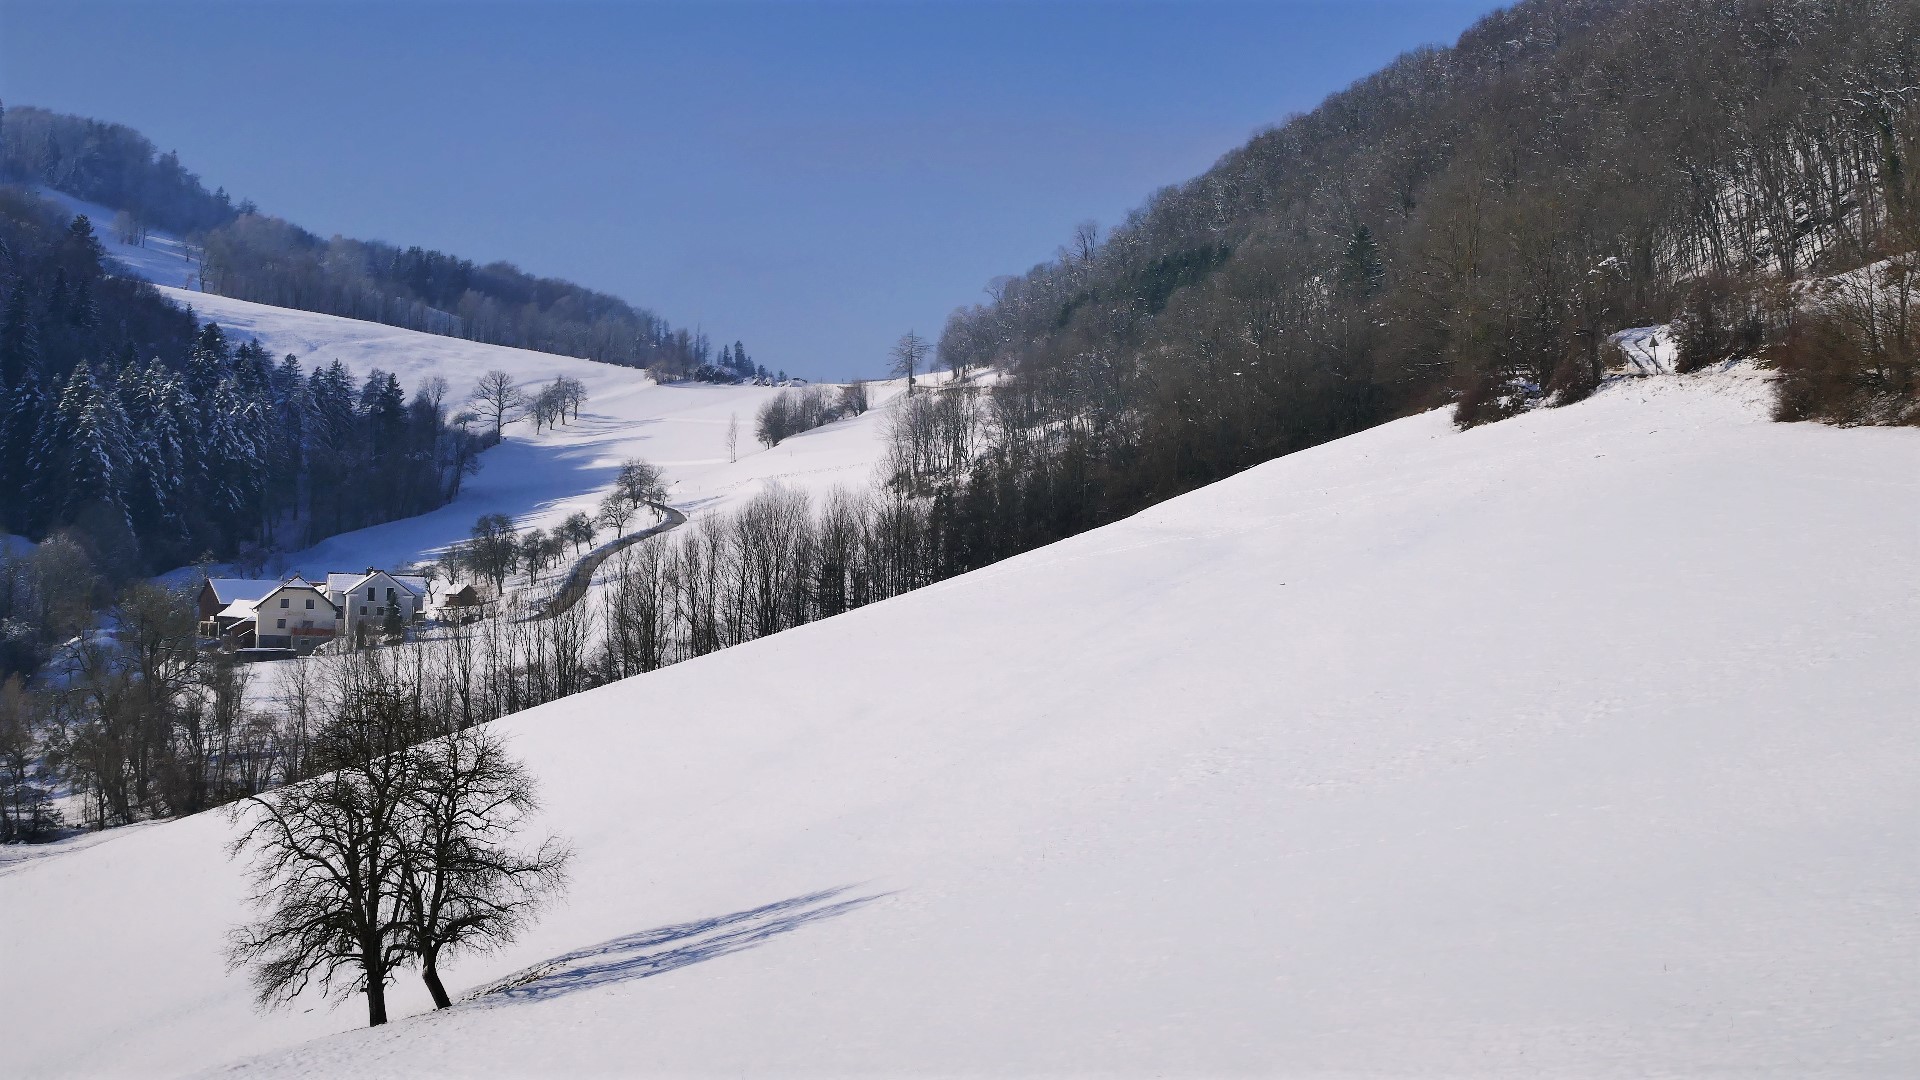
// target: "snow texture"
[[1577, 745]]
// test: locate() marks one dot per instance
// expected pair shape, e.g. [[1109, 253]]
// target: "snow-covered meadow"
[[538, 479], [1580, 744]]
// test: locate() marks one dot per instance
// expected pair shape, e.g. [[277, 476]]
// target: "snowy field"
[[1579, 745]]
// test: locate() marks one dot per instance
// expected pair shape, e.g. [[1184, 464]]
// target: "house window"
[[309, 608], [390, 597], [284, 602], [283, 625], [381, 610], [363, 609], [369, 592], [306, 624]]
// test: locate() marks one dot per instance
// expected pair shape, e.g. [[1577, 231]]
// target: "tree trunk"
[[430, 974], [376, 1001]]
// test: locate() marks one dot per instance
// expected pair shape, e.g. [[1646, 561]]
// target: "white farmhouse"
[[296, 615], [368, 597]]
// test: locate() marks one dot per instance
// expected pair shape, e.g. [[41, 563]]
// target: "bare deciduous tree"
[[464, 886], [579, 530], [641, 482], [497, 399], [909, 355], [615, 511]]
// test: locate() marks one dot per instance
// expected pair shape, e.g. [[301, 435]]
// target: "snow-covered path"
[[580, 576], [1578, 745]]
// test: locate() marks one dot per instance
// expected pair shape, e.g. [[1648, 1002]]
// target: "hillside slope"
[[540, 478], [537, 479], [1581, 744]]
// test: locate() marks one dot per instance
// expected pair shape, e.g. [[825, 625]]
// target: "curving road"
[[582, 573]]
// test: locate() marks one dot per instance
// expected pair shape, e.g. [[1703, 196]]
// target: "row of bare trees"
[[798, 409], [498, 399]]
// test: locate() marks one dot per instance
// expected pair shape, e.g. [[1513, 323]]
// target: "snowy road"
[[581, 576]]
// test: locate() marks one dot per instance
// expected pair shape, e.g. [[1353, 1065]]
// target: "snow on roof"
[[228, 589], [239, 609], [300, 584], [346, 583]]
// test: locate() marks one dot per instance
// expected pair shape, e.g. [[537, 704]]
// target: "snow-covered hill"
[[1580, 744], [537, 479]]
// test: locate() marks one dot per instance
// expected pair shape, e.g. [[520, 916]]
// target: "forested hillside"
[[133, 440], [252, 256], [1468, 225]]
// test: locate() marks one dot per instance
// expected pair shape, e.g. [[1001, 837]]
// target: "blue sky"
[[813, 178]]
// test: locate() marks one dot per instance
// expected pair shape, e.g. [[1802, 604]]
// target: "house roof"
[[299, 584], [239, 609], [346, 583], [228, 589]]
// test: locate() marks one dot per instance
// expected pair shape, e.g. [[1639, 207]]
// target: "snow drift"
[[1581, 744]]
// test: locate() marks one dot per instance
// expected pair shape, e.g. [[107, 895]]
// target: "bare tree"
[[573, 393], [402, 852], [733, 437], [327, 854], [853, 397], [579, 530], [908, 356], [464, 886], [433, 391], [615, 511], [498, 399], [641, 482], [534, 553], [493, 550]]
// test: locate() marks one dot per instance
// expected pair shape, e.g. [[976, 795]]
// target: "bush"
[[793, 411], [1719, 320]]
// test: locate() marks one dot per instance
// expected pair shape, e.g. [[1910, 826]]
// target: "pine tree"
[[1362, 271], [158, 454], [80, 455], [21, 406], [232, 458]]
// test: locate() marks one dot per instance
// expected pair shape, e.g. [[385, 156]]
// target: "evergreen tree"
[[80, 455], [231, 459], [1362, 271], [21, 406], [159, 454]]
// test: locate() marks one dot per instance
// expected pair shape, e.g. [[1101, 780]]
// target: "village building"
[[367, 598], [232, 626], [296, 615], [293, 616], [218, 593], [461, 603]]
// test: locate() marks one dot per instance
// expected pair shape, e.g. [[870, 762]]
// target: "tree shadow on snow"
[[670, 948]]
